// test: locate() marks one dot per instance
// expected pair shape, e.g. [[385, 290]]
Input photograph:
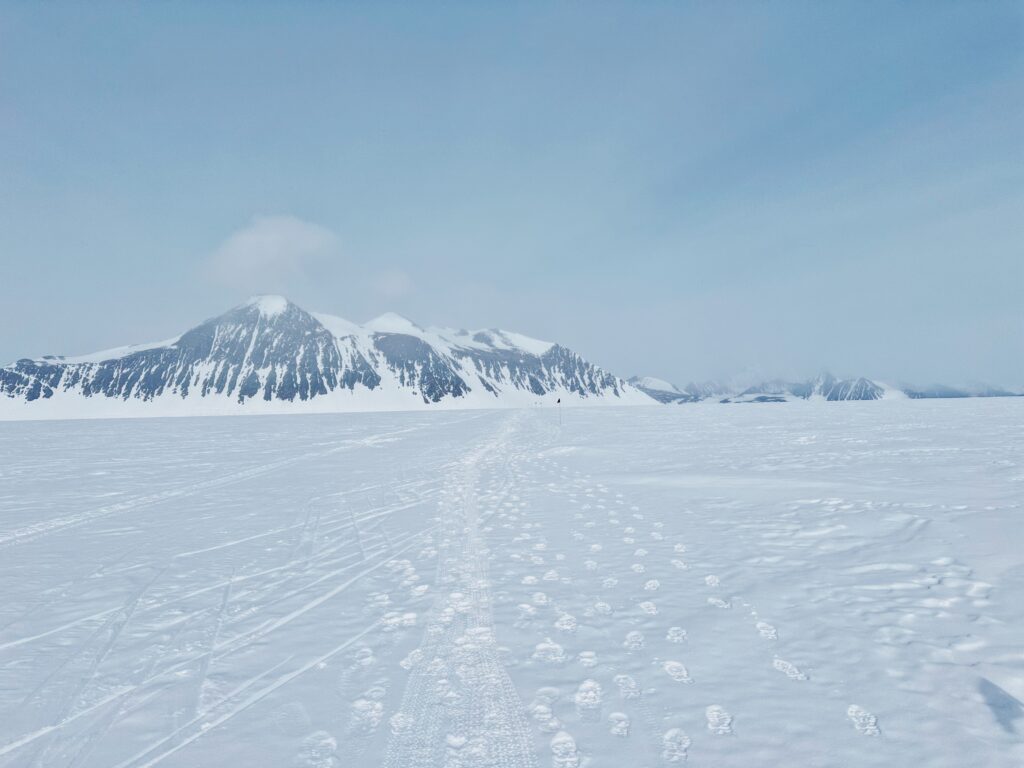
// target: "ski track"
[[216, 650], [503, 606], [26, 533]]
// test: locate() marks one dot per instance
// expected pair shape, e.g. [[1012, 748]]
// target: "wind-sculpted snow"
[[796, 585], [271, 356]]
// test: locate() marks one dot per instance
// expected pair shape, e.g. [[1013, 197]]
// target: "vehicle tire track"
[[460, 707]]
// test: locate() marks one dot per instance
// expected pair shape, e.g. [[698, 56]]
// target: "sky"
[[685, 190]]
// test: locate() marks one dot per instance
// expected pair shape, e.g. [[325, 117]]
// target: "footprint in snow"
[[634, 641], [549, 652], [318, 750], [677, 671], [674, 746], [400, 723], [588, 700], [563, 751], [628, 687], [863, 721], [542, 712], [364, 717], [789, 670], [719, 721], [412, 659], [618, 724], [767, 631], [566, 622]]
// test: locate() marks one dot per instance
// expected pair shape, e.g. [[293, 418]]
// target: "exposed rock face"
[[272, 350]]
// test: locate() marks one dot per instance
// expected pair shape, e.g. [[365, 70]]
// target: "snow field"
[[837, 585]]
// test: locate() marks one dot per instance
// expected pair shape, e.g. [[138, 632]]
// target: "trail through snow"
[[827, 585]]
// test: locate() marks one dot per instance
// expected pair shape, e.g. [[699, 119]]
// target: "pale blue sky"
[[683, 190]]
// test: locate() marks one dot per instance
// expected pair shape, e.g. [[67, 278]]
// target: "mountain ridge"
[[271, 351], [268, 355], [825, 387]]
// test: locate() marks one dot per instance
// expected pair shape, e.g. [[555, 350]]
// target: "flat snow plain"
[[798, 584]]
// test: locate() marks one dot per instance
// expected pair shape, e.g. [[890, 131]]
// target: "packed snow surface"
[[820, 585]]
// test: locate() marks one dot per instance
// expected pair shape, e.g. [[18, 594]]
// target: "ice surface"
[[832, 584]]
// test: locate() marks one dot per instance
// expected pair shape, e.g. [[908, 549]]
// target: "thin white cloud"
[[271, 254]]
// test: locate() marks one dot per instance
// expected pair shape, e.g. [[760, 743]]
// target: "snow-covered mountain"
[[943, 391], [661, 390], [824, 387], [269, 355]]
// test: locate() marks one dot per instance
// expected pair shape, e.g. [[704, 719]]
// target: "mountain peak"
[[392, 322], [269, 305]]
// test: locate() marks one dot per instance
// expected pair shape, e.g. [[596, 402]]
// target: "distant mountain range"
[[824, 387], [269, 355]]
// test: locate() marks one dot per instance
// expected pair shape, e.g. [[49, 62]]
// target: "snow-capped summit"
[[270, 355], [392, 322], [269, 305]]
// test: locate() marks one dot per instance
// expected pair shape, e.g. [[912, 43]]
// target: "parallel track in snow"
[[460, 707]]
